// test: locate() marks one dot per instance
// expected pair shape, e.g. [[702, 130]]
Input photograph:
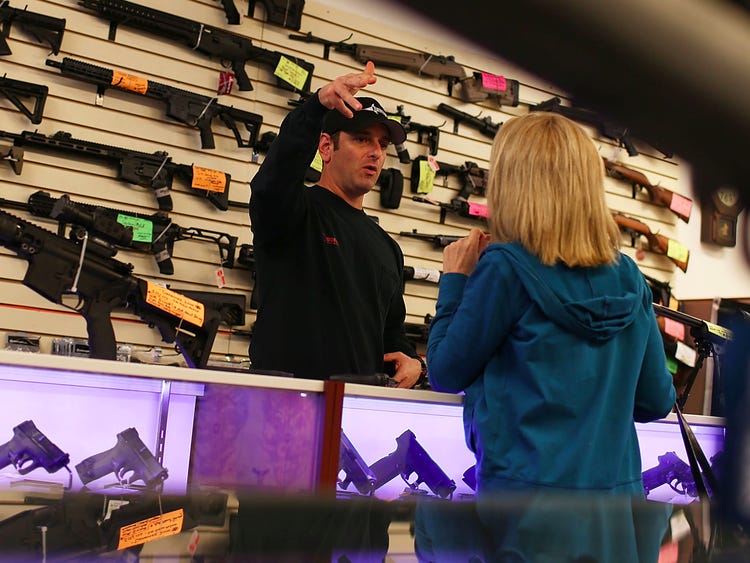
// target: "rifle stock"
[[657, 243], [481, 86], [678, 204], [43, 28], [17, 90]]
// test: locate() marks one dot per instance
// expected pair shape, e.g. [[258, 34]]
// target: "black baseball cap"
[[370, 114]]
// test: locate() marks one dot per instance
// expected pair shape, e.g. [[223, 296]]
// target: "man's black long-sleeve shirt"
[[329, 279]]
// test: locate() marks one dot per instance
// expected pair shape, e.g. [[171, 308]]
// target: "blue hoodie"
[[556, 363]]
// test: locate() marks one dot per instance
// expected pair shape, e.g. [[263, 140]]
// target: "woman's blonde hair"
[[546, 191]]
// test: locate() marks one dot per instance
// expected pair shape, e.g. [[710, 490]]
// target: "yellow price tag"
[[291, 73], [175, 304], [317, 163], [161, 526], [677, 251], [426, 177], [724, 333]]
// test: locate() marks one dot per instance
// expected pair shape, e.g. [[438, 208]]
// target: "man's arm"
[[276, 188]]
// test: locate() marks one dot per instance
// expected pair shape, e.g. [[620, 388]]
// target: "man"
[[329, 278]]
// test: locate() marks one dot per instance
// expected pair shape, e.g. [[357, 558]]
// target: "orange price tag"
[[209, 180], [674, 328], [151, 529], [175, 304], [130, 82]]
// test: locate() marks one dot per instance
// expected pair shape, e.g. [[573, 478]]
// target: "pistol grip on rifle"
[[243, 80], [207, 136], [102, 342]]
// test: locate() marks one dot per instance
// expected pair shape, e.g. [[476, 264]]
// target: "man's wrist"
[[422, 374]]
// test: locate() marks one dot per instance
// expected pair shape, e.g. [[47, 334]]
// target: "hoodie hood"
[[593, 303]]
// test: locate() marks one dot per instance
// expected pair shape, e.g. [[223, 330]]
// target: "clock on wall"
[[719, 212]]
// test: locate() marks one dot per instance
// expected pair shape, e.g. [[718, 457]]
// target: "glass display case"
[[218, 431], [375, 422], [204, 428]]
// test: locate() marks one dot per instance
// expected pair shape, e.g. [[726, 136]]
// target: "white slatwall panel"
[[131, 121]]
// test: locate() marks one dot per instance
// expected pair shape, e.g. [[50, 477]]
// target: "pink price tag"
[[478, 210], [681, 205], [494, 82], [674, 328], [226, 81], [221, 281], [432, 161]]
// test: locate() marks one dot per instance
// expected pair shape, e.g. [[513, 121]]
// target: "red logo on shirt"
[[331, 241]]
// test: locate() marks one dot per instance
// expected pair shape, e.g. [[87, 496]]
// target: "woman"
[[550, 332]]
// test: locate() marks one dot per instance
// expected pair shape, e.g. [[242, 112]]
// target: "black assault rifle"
[[151, 170], [484, 125], [17, 90], [430, 133], [59, 267], [212, 41], [154, 234], [606, 128], [45, 29], [286, 13], [422, 63], [194, 110]]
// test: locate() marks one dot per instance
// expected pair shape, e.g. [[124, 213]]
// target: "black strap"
[[699, 466]]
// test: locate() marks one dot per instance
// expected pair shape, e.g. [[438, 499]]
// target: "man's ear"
[[325, 147]]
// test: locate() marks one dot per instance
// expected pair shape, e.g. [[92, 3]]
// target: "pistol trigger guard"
[[21, 464]]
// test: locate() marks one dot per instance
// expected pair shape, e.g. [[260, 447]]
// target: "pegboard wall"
[[123, 119]]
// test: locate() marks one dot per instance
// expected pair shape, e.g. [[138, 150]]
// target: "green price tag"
[[143, 229]]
